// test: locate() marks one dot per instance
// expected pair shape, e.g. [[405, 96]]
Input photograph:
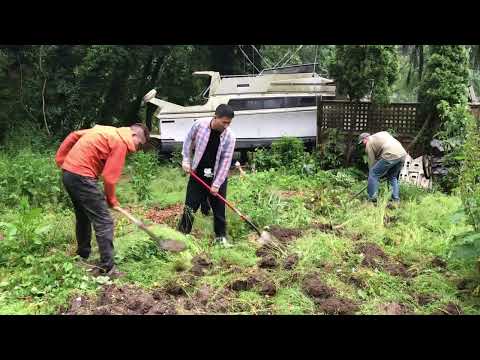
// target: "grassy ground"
[[358, 259]]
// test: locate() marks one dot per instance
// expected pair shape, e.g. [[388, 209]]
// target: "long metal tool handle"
[[137, 222], [244, 218]]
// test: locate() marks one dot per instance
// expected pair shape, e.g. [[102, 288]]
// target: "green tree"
[[360, 70], [443, 98]]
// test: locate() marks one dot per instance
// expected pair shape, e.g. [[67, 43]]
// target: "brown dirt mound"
[[268, 262], [290, 262], [393, 309], [425, 299], [160, 216], [314, 287], [375, 257], [263, 251], [207, 300], [268, 288], [449, 309], [337, 306], [439, 262], [174, 289], [123, 300], [356, 281], [201, 263], [285, 235], [244, 284]]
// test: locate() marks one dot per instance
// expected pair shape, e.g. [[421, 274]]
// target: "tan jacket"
[[382, 145]]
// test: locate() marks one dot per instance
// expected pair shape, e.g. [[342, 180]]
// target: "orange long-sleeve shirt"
[[100, 150]]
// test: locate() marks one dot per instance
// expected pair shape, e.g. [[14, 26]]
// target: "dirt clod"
[[244, 284], [375, 257], [122, 300], [290, 262], [449, 309], [337, 306], [268, 262], [425, 299], [314, 287], [372, 254], [284, 234], [161, 216], [393, 309], [200, 265], [174, 289], [268, 288], [439, 262]]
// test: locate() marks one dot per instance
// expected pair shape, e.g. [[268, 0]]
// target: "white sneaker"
[[222, 240]]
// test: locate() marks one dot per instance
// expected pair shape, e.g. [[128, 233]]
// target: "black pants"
[[90, 208], [196, 195]]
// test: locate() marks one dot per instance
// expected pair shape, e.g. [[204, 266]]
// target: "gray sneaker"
[[113, 273], [222, 241]]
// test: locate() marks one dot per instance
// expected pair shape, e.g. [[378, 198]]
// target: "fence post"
[[319, 120]]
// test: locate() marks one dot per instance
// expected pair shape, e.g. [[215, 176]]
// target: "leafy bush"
[[329, 153], [30, 175], [287, 153], [470, 174], [142, 168]]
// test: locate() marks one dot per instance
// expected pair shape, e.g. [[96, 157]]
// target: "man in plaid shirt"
[[212, 144]]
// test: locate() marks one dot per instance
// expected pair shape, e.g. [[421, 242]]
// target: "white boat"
[[277, 102]]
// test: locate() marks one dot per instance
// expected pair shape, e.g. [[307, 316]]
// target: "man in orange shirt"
[[84, 156]]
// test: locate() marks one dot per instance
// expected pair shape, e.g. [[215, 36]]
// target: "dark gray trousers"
[[90, 208]]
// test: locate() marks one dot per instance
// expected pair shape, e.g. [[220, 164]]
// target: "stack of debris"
[[413, 173]]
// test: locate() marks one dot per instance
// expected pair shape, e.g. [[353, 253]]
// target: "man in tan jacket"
[[386, 157]]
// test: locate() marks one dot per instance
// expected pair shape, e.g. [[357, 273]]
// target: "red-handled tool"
[[244, 218]]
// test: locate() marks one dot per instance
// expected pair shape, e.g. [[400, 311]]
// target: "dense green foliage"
[[443, 96], [361, 70]]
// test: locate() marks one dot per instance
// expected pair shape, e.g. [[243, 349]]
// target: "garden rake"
[[264, 236], [168, 245]]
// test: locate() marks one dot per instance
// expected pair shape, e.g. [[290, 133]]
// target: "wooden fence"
[[352, 119]]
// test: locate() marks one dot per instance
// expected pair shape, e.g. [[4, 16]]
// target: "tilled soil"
[[326, 299], [290, 262], [268, 262], [123, 300], [449, 309], [374, 257], [201, 263], [439, 262], [284, 234], [161, 216], [257, 281], [394, 309]]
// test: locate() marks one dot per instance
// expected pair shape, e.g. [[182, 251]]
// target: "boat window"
[[272, 103]]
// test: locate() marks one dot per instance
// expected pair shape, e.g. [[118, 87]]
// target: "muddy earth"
[[449, 309], [290, 262], [162, 216], [425, 299], [201, 263], [285, 235], [375, 257], [268, 262], [123, 300], [394, 309], [439, 262], [325, 297]]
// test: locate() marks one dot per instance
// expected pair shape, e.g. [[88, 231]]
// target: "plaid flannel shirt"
[[197, 140]]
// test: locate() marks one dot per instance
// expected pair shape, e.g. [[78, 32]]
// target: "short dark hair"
[[146, 132], [224, 110]]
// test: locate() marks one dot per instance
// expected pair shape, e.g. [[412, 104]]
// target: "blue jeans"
[[385, 168]]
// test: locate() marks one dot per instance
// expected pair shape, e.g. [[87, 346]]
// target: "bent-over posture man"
[[84, 156], [386, 157]]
